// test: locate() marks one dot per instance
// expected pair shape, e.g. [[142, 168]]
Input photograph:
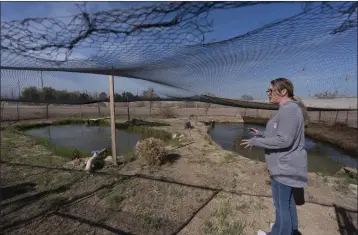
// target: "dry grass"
[[167, 112], [175, 198], [151, 151]]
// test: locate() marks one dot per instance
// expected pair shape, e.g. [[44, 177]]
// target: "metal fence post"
[[335, 120], [17, 104], [319, 116]]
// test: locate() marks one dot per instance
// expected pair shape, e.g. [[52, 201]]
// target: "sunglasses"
[[269, 91]]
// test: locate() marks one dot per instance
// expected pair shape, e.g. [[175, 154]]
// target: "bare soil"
[[200, 190]]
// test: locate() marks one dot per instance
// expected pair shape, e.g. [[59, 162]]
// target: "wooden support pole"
[[128, 113], [113, 121], [347, 118], [42, 88]]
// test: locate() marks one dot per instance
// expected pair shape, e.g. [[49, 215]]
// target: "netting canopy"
[[166, 44]]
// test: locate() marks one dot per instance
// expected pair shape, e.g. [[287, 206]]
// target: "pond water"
[[322, 157], [87, 138]]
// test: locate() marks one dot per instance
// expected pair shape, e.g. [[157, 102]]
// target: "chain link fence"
[[12, 111]]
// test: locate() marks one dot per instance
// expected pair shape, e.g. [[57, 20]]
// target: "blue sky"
[[246, 67]]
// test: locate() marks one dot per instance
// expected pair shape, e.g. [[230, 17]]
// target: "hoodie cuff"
[[252, 141]]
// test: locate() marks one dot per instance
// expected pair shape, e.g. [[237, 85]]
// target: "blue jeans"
[[286, 212]]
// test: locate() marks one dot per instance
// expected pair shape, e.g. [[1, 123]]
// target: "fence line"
[[17, 111]]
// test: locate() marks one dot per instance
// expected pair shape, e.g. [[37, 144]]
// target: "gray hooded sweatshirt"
[[284, 140]]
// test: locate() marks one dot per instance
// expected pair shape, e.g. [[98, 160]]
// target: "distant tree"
[[30, 94], [48, 94], [124, 96], [84, 97], [103, 96], [327, 94], [207, 106], [247, 97], [128, 95], [117, 97], [63, 96], [150, 94], [73, 96]]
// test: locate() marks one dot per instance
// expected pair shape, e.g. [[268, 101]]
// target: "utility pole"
[[129, 118], [113, 121], [42, 88]]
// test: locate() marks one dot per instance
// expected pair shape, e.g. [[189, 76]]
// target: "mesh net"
[[67, 60]]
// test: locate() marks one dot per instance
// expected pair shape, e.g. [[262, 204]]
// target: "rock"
[[78, 163], [341, 172], [174, 136], [350, 170], [108, 159], [347, 170], [353, 188]]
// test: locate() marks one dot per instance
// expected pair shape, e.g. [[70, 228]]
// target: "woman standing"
[[285, 155]]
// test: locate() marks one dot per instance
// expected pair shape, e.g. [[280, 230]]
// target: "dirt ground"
[[201, 190]]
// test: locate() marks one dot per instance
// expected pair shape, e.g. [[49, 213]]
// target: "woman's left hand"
[[245, 142]]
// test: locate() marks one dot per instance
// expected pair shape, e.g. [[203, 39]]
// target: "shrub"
[[167, 112], [151, 150]]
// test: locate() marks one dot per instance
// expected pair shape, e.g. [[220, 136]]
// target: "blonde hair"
[[280, 84]]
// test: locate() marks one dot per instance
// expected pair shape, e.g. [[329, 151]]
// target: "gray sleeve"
[[260, 134], [287, 128]]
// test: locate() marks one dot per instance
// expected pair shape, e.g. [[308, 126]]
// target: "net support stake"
[[17, 104], [113, 120]]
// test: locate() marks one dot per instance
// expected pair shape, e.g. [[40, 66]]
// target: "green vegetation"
[[67, 121], [129, 157], [20, 148], [150, 132], [67, 152], [52, 95], [14, 137]]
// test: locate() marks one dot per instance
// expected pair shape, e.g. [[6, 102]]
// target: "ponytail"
[[303, 109]]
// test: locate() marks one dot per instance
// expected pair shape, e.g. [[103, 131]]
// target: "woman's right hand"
[[254, 131]]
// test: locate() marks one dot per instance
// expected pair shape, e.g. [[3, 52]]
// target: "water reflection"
[[322, 157]]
